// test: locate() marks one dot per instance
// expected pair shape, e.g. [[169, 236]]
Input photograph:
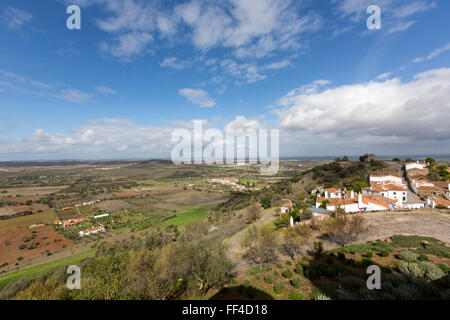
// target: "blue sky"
[[136, 70]]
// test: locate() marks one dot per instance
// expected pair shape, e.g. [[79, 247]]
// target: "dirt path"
[[235, 250]]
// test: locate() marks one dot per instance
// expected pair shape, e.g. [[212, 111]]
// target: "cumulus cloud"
[[198, 96], [15, 18], [410, 111], [104, 138]]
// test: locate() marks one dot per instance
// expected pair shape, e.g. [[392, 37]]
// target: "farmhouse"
[[101, 216], [92, 231], [286, 208], [433, 203]]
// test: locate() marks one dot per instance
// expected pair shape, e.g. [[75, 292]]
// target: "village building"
[[92, 231], [391, 187], [357, 204]]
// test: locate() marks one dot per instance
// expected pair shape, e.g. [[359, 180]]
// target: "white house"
[[415, 165], [359, 204], [391, 187], [101, 216], [92, 231], [433, 203]]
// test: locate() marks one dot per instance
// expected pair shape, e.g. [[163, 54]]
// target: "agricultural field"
[[26, 243], [46, 217]]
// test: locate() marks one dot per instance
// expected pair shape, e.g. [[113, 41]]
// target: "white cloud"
[[15, 18], [413, 8], [105, 138], [413, 111], [277, 65], [246, 71], [384, 76], [27, 86], [72, 95], [105, 90], [197, 96], [173, 62], [401, 26], [127, 46], [434, 54]]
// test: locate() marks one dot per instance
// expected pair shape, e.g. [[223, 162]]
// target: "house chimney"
[[352, 194], [326, 194], [360, 203]]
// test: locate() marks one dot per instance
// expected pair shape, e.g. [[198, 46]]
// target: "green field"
[[40, 269], [26, 221], [186, 216]]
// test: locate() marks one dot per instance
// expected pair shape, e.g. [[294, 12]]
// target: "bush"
[[246, 283], [423, 257], [288, 274], [288, 263], [406, 255], [426, 270], [268, 278], [369, 254], [276, 273], [296, 282], [296, 296], [278, 287], [279, 265], [299, 269], [444, 267], [341, 256], [384, 253], [316, 294]]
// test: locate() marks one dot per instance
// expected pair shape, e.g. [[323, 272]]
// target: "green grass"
[[39, 269], [186, 216]]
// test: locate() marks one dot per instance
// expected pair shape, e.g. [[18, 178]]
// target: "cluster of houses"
[[385, 193], [75, 221], [70, 222], [436, 193], [229, 182]]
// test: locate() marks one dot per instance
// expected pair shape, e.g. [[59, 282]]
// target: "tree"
[[260, 244], [296, 238], [430, 161], [253, 213], [283, 221], [345, 229], [266, 201]]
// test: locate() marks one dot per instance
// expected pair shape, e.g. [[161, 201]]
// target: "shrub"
[[316, 294], [268, 278], [288, 263], [341, 256], [423, 257], [369, 254], [299, 269], [330, 260], [351, 284], [296, 282], [406, 255], [288, 274], [278, 287], [294, 295], [444, 267], [426, 270], [276, 273], [279, 265], [384, 253], [246, 283]]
